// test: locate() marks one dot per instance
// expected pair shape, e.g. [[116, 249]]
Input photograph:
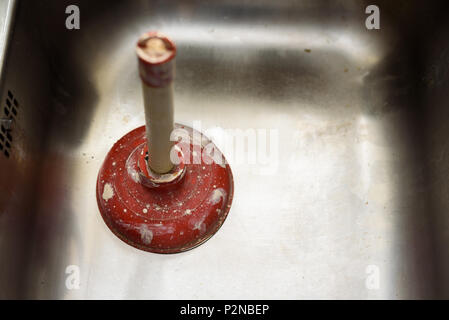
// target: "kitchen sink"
[[350, 201]]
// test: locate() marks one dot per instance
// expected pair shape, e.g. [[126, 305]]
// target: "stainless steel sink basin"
[[353, 203]]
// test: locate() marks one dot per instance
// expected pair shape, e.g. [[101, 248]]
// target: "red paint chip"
[[172, 219]]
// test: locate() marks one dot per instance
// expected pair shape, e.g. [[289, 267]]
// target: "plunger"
[[163, 187]]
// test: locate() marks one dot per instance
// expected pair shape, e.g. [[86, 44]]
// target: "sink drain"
[[10, 112]]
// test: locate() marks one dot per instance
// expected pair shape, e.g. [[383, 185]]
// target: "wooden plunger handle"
[[156, 56]]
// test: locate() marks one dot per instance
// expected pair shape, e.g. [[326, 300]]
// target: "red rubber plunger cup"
[[163, 187]]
